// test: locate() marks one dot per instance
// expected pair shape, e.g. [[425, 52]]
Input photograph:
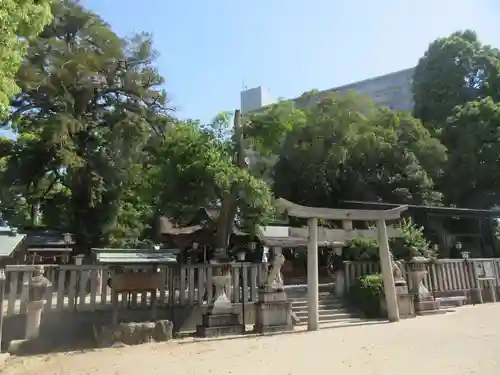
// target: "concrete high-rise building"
[[254, 98], [393, 90]]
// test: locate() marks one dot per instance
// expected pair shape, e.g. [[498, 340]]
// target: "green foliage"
[[267, 130], [350, 149], [453, 71], [21, 21], [412, 242], [456, 91], [196, 170], [366, 294], [472, 134], [87, 110], [361, 249], [99, 153]]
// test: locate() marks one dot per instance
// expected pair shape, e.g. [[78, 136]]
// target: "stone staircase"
[[332, 311]]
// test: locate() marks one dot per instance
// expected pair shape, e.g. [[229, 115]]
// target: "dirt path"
[[465, 342]]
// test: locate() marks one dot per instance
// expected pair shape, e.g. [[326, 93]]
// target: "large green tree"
[[196, 169], [453, 71], [21, 21], [456, 86], [89, 105], [344, 147], [472, 175]]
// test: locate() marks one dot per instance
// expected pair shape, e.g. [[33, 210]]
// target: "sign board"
[[274, 231], [484, 269]]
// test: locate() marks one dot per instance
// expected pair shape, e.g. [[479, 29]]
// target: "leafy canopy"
[[344, 147], [453, 71], [21, 21]]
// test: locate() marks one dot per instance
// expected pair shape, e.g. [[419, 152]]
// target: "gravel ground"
[[464, 342]]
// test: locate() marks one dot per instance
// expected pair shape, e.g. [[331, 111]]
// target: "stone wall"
[[75, 330]]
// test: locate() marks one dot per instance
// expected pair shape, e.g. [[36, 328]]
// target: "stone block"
[[401, 289], [427, 305], [22, 347], [273, 317], [26, 347], [223, 324], [163, 330], [406, 306], [134, 333], [203, 331], [215, 320]]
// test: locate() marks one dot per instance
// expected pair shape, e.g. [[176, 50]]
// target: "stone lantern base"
[[220, 319], [273, 312], [406, 306], [220, 324], [405, 300]]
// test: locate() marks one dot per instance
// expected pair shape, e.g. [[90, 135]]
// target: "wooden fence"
[[85, 288], [446, 275]]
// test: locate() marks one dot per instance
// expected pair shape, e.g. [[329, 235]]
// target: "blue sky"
[[209, 49]]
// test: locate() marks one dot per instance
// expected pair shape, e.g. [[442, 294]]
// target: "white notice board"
[[484, 269]]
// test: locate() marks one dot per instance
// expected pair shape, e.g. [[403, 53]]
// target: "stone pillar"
[[38, 285], [33, 319], [312, 276], [347, 224], [387, 275], [339, 275]]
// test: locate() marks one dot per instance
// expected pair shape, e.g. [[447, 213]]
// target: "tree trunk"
[[229, 205]]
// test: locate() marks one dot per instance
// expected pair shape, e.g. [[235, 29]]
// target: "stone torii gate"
[[315, 213]]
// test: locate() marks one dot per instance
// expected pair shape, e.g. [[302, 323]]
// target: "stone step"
[[321, 307], [303, 287], [304, 295], [326, 315], [339, 322], [332, 303], [455, 301], [436, 312], [326, 297]]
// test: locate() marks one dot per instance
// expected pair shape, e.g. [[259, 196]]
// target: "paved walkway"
[[464, 342]]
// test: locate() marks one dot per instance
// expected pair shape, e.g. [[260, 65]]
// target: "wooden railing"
[[85, 288], [446, 275]]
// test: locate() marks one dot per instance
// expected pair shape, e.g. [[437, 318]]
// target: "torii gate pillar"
[[312, 276], [384, 253]]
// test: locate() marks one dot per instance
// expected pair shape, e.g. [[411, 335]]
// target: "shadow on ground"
[[187, 338]]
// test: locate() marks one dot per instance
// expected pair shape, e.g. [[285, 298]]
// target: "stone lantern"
[[418, 271], [38, 286]]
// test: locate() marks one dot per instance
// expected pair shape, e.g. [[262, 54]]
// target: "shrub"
[[366, 293], [411, 243], [362, 248]]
